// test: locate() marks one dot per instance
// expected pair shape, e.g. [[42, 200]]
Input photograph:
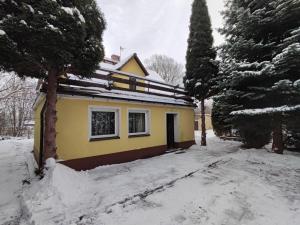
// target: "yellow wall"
[[37, 128], [131, 67], [208, 123], [73, 134]]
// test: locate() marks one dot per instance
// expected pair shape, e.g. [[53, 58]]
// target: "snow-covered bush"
[[255, 131]]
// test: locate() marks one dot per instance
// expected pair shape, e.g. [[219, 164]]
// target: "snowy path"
[[218, 185], [13, 171]]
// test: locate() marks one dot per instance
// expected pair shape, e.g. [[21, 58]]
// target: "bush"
[[293, 131], [255, 131]]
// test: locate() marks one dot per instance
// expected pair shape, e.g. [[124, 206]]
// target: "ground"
[[221, 184]]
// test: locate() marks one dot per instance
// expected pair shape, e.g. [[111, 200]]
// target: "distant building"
[[198, 123]]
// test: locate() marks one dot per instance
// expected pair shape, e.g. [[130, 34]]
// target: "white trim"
[[101, 99], [176, 125], [116, 110], [147, 120]]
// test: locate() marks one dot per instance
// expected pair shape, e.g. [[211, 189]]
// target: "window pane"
[[132, 83], [103, 123], [137, 122]]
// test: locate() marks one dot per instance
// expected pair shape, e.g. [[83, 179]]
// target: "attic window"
[[132, 83]]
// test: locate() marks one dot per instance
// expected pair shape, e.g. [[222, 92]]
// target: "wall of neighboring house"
[[73, 128], [208, 122], [130, 67]]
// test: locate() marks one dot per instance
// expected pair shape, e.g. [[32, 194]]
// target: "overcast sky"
[[150, 27]]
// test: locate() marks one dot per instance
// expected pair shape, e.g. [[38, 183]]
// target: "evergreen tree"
[[201, 67], [293, 130], [45, 39], [262, 44]]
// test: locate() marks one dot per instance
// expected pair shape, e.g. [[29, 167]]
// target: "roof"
[[122, 63], [98, 88], [101, 85], [155, 76], [111, 64], [95, 92]]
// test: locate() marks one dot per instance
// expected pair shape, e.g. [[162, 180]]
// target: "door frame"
[[176, 126]]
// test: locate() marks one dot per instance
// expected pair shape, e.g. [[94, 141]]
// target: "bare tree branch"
[[16, 100], [170, 70]]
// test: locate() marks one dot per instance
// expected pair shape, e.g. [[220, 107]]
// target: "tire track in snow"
[[143, 195]]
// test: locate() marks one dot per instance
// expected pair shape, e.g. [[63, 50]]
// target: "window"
[[138, 121], [132, 83], [104, 122]]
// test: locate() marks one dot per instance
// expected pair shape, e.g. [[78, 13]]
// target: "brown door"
[[170, 131]]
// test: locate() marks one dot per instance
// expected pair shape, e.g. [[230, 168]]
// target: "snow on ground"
[[214, 185], [14, 170]]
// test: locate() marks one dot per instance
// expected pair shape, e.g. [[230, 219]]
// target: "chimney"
[[115, 58]]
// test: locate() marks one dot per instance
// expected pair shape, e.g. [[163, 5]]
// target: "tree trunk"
[[50, 116], [277, 145], [203, 128]]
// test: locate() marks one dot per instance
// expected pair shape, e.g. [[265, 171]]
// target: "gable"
[[134, 67]]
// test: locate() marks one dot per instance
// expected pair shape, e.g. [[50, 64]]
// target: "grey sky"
[[150, 27]]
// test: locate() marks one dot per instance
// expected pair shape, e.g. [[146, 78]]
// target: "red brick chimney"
[[115, 58]]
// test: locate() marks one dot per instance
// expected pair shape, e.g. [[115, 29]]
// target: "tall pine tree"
[[201, 67], [45, 39]]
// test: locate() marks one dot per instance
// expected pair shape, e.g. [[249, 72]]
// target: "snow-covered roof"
[[101, 88], [96, 92], [158, 90], [155, 76], [114, 65]]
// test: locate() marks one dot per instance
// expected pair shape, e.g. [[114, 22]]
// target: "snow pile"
[[50, 164], [62, 181], [65, 181], [62, 188]]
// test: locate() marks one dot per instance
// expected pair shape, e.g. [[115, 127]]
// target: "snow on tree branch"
[[268, 110]]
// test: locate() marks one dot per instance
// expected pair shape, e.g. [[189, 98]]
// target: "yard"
[[218, 185]]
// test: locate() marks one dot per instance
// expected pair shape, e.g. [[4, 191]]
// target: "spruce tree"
[[201, 67], [262, 44], [45, 39], [243, 56]]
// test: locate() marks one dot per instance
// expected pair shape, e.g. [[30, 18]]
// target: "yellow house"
[[124, 112], [198, 120]]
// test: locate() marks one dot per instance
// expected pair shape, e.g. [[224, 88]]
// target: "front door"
[[170, 131]]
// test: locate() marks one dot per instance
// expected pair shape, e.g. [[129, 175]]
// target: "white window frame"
[[147, 121], [104, 109]]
